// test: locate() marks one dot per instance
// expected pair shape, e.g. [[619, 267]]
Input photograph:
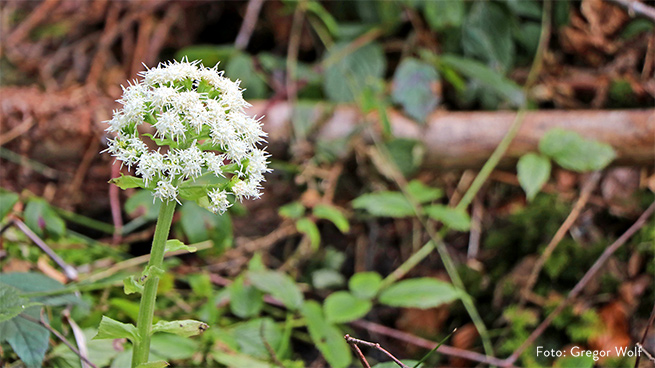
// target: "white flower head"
[[199, 123]]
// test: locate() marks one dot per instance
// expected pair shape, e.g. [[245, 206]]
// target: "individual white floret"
[[171, 72], [258, 163], [166, 191], [117, 122], [214, 163], [218, 202], [237, 150], [191, 161], [151, 165], [189, 103], [162, 96], [134, 102], [169, 125]]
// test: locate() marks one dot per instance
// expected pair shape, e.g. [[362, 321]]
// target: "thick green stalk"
[[141, 350]]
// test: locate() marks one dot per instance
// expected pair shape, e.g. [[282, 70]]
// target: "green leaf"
[[333, 214], [348, 73], [112, 329], [100, 352], [406, 154], [391, 364], [573, 152], [252, 336], [489, 78], [12, 303], [143, 199], [128, 181], [173, 244], [457, 219], [420, 293], [319, 11], [195, 222], [234, 359], [342, 307], [209, 54], [327, 337], [7, 202], [245, 300], [327, 278], [533, 171], [279, 285], [29, 340], [293, 210], [444, 14], [365, 285], [422, 193], [131, 285], [39, 215], [384, 204], [32, 282], [309, 228], [241, 67], [184, 328], [172, 347], [156, 364], [487, 35], [414, 87]]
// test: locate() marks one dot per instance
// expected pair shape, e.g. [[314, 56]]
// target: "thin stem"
[[141, 351]]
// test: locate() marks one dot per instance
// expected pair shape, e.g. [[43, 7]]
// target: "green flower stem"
[[141, 351]]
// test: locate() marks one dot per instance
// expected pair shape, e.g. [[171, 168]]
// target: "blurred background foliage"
[[281, 280]]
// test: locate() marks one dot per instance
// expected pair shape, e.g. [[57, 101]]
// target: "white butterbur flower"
[[199, 114], [218, 202]]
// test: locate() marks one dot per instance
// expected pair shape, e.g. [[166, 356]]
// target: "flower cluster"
[[196, 117]]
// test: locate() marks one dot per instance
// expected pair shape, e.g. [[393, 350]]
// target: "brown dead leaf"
[[615, 327], [16, 265], [463, 339]]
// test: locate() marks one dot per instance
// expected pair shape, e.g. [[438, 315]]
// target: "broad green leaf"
[[12, 303], [245, 300], [308, 227], [384, 204], [573, 152], [319, 11], [112, 329], [422, 193], [201, 284], [32, 282], [489, 78], [342, 307], [143, 199], [279, 285], [184, 328], [365, 285], [7, 202], [414, 88], [155, 364], [327, 278], [487, 35], [131, 285], [234, 359], [327, 337], [347, 73], [100, 352], [241, 67], [333, 214], [391, 364], [456, 219], [293, 210], [444, 14], [406, 154], [252, 337], [29, 340], [173, 244], [533, 171], [209, 54], [172, 347], [420, 293], [195, 222], [39, 215], [127, 182]]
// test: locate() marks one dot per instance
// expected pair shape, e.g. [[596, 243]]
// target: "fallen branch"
[[457, 140]]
